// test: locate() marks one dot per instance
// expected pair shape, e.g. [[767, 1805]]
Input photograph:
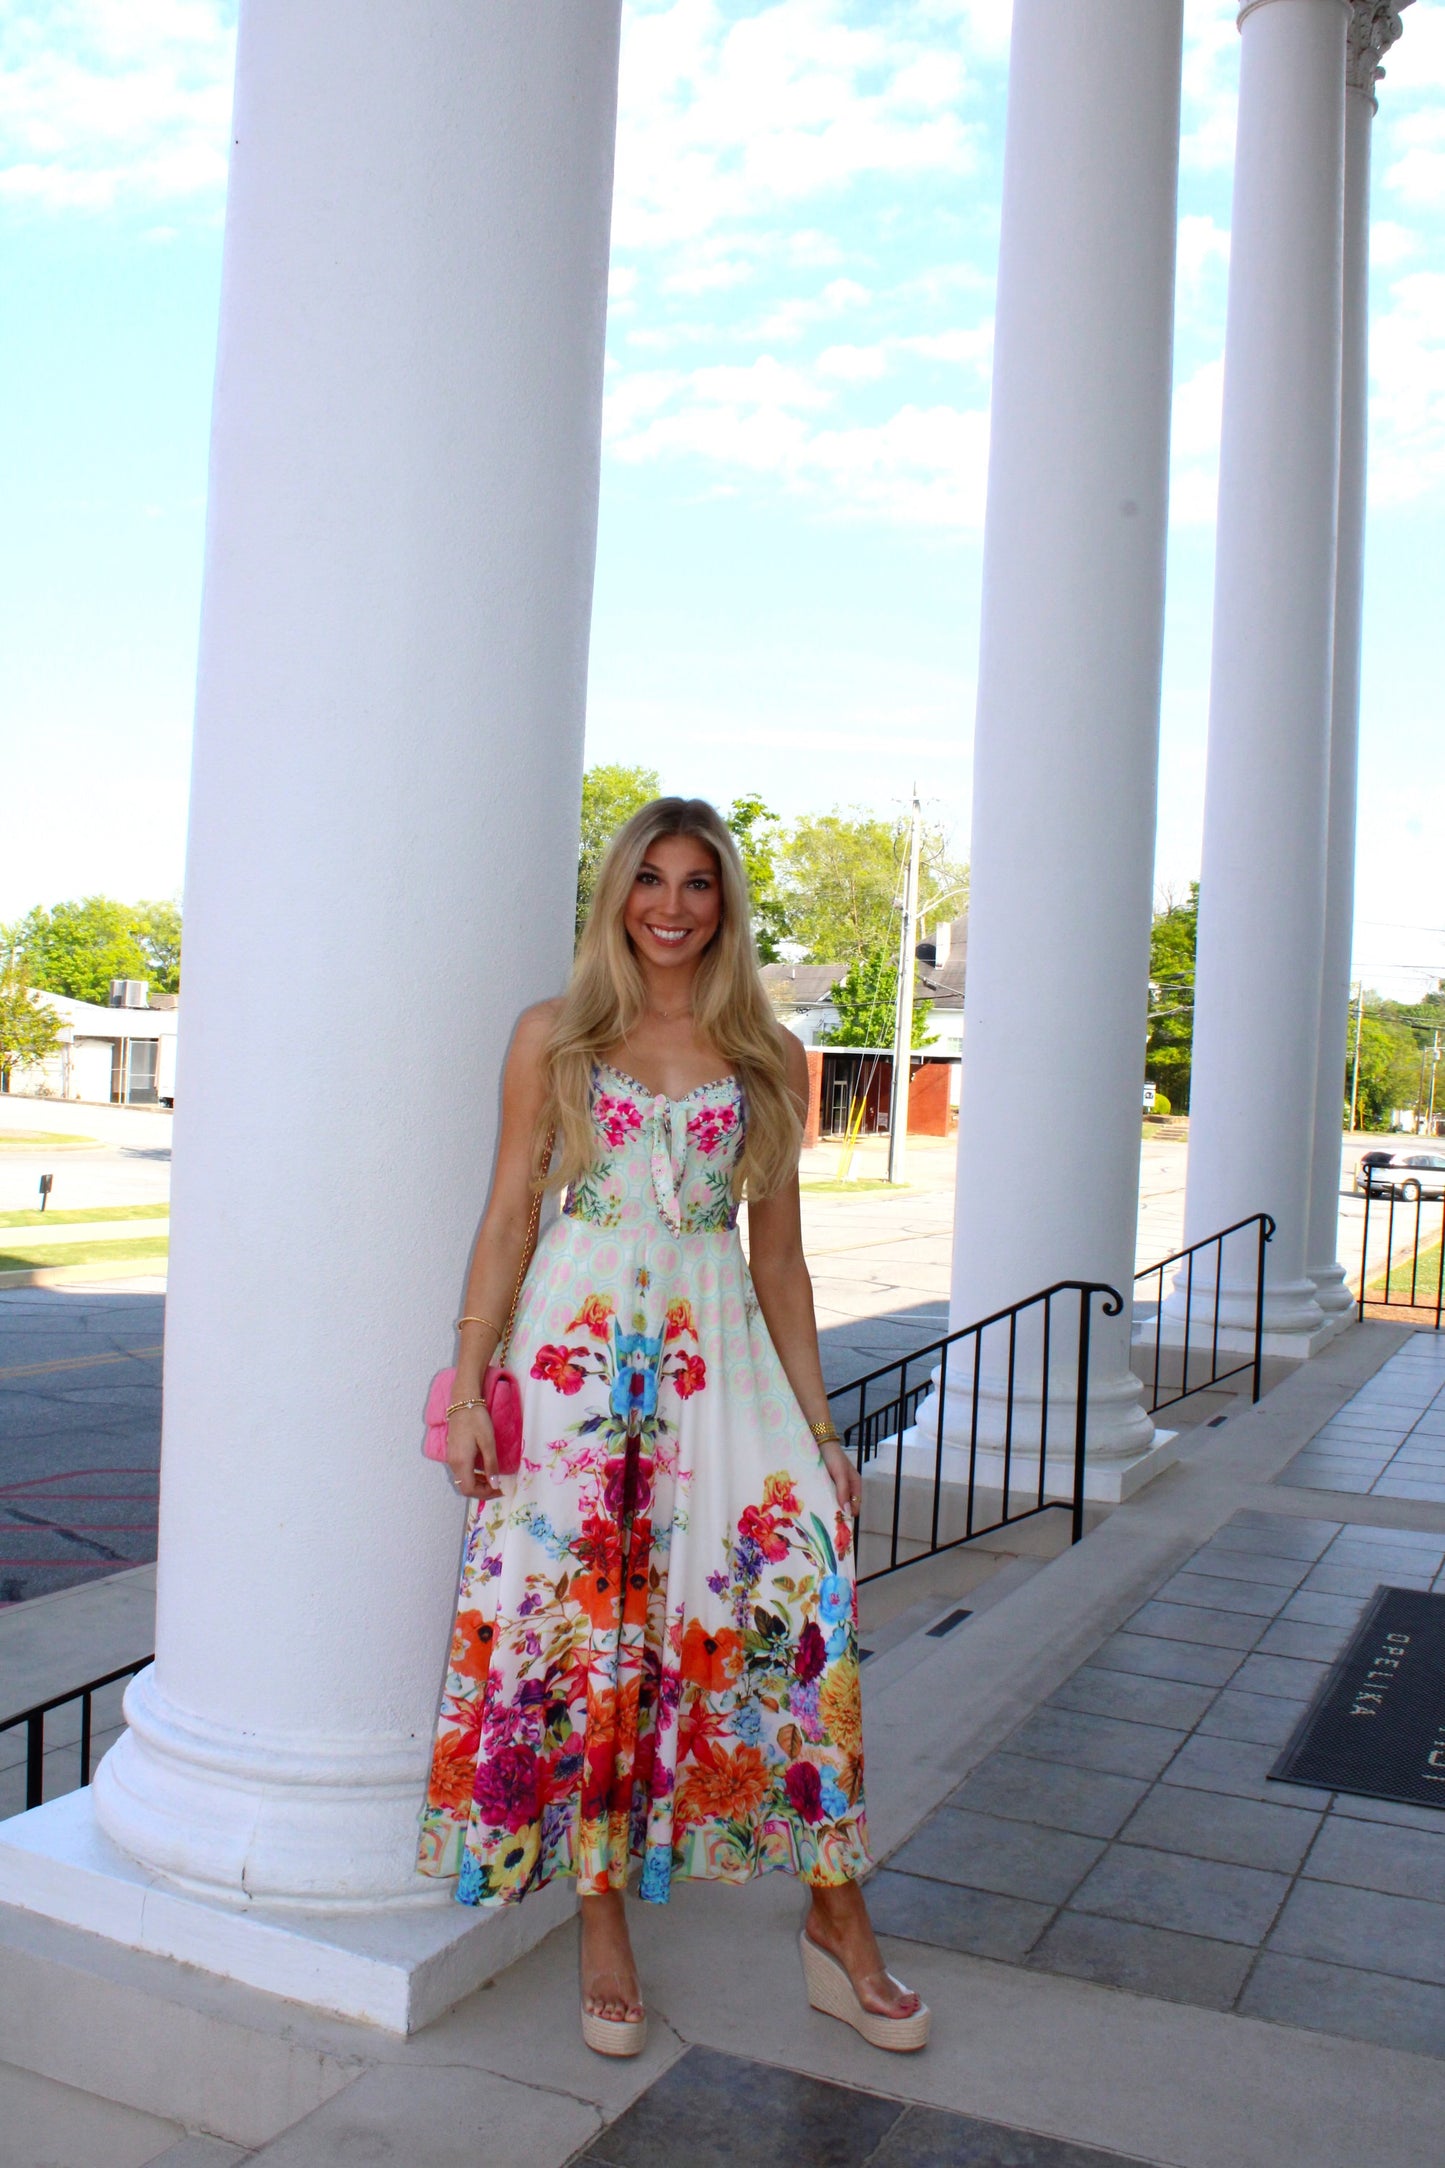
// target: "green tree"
[[756, 830], [866, 998], [78, 948], [1172, 945], [158, 929], [611, 794], [29, 1029], [1389, 1069], [843, 876], [1424, 1017]]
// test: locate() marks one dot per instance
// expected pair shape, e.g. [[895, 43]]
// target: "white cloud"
[[1391, 243], [1416, 174], [984, 27], [854, 364], [108, 102], [1194, 446], [921, 466], [971, 346], [708, 276], [1417, 62], [1203, 251], [793, 317], [1407, 408], [1210, 85], [726, 118], [924, 466]]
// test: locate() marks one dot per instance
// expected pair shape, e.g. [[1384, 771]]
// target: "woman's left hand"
[[847, 1482]]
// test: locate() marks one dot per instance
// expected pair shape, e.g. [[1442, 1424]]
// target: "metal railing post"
[[34, 1759], [1260, 1267], [1081, 1412]]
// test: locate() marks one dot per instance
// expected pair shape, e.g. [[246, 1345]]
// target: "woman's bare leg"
[[839, 1924], [610, 1985]]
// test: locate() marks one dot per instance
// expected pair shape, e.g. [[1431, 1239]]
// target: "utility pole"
[[1355, 1077], [1434, 1067], [903, 1012]]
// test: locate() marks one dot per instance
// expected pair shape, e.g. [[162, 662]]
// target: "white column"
[[382, 851], [1262, 885], [1373, 28], [1065, 751]]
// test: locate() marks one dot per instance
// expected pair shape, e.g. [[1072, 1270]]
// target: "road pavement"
[[80, 1365]]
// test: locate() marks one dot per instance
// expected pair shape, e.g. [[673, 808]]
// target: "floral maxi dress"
[[655, 1653]]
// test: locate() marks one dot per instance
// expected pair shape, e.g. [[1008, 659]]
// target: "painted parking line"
[[80, 1362]]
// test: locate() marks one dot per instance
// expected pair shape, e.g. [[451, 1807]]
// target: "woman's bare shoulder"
[[533, 1030], [536, 1023]]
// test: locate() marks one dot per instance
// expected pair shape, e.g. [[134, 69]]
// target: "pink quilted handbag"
[[503, 1396], [500, 1390]]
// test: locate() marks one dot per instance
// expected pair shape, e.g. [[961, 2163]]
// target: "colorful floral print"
[[655, 1654], [618, 1119], [711, 1127]]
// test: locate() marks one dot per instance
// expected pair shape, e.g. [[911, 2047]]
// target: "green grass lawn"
[[849, 1189], [39, 1255], [1426, 1278], [26, 1140], [87, 1219]]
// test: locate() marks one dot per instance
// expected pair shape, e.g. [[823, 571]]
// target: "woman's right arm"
[[471, 1447]]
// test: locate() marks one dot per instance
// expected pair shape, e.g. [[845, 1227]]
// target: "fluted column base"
[[1332, 1291], [320, 1824]]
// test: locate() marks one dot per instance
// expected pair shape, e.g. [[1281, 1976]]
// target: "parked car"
[[1402, 1174]]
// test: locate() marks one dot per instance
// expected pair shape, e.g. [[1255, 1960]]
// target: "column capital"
[[1374, 27], [1252, 7]]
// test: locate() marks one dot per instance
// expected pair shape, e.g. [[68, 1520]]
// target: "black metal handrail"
[[1418, 1295], [887, 1415], [34, 1722], [1160, 1397]]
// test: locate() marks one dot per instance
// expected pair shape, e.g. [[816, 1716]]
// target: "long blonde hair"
[[607, 997]]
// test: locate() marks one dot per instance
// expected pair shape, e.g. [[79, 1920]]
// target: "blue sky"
[[796, 435]]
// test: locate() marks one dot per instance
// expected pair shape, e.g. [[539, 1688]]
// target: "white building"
[[120, 1055], [392, 683]]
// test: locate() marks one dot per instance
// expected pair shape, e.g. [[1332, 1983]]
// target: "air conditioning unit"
[[128, 993]]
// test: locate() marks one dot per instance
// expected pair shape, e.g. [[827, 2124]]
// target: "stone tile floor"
[[1128, 1833], [1389, 1440], [711, 2110]]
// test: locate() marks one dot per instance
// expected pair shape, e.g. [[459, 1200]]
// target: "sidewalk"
[[1135, 1950]]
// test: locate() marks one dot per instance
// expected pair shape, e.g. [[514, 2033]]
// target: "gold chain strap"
[[529, 1248]]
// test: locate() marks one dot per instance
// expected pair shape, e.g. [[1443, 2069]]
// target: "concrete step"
[[56, 2126], [162, 2040], [910, 1637]]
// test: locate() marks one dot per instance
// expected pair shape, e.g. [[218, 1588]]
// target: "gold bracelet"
[[458, 1405], [477, 1321], [826, 1431]]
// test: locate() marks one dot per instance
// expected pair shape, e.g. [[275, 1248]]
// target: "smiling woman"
[[655, 1657], [669, 945]]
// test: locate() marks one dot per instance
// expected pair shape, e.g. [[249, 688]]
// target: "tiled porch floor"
[[1389, 1440], [1127, 1832]]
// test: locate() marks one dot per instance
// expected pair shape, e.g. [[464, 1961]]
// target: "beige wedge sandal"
[[831, 1991], [613, 2035]]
